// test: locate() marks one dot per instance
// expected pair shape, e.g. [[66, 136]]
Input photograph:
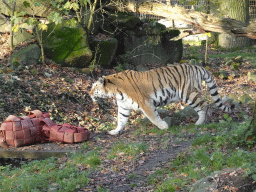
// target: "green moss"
[[104, 51], [67, 45]]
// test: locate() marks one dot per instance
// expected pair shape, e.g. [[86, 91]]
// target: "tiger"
[[147, 90]]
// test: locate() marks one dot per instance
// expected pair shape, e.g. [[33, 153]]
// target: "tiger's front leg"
[[123, 116]]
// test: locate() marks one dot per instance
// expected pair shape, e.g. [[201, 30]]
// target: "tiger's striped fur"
[[157, 87]]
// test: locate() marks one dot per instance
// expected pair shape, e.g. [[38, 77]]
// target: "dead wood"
[[200, 21]]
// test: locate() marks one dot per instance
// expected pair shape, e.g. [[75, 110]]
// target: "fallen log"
[[200, 21]]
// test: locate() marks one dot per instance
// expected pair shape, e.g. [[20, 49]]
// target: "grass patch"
[[216, 150], [146, 127], [91, 159], [131, 149], [45, 175]]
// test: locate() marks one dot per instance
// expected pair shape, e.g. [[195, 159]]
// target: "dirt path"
[[135, 178]]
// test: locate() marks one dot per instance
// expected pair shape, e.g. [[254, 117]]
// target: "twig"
[[6, 19], [11, 32], [7, 5]]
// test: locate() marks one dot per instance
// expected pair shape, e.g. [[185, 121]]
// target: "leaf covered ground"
[[143, 158]]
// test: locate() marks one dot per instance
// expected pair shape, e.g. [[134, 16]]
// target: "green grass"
[[45, 175], [222, 146], [227, 54], [131, 149], [91, 159]]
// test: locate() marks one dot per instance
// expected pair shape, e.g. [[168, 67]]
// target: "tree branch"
[[6, 19], [7, 5]]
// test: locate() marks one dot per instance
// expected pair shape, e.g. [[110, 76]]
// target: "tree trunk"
[[239, 10]]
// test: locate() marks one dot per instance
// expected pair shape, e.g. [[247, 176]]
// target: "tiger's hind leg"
[[199, 106], [123, 117], [152, 114]]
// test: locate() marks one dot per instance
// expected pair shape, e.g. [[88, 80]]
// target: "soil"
[[63, 92], [141, 167]]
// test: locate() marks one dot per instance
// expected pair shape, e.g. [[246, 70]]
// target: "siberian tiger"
[[148, 90]]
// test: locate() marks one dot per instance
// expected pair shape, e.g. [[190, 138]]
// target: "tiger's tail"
[[211, 84]]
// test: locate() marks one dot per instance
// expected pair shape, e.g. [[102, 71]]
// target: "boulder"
[[27, 56], [104, 50], [20, 36], [142, 67], [67, 45], [150, 44], [187, 111], [119, 20]]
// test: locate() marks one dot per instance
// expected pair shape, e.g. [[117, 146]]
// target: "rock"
[[225, 175], [245, 98], [162, 112], [141, 68], [188, 111], [124, 21], [204, 183], [20, 36], [104, 50], [171, 121], [27, 56], [67, 45], [150, 44]]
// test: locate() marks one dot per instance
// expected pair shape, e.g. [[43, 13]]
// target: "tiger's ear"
[[102, 81]]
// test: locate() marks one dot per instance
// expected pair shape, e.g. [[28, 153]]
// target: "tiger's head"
[[108, 86], [98, 90]]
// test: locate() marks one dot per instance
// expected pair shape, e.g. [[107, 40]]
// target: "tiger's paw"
[[163, 125], [113, 132]]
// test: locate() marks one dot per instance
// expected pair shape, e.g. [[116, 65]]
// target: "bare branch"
[[6, 19], [7, 5]]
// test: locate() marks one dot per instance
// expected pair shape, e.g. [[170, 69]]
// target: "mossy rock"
[[125, 20], [67, 45], [27, 56], [104, 51], [20, 36], [151, 48], [187, 111]]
